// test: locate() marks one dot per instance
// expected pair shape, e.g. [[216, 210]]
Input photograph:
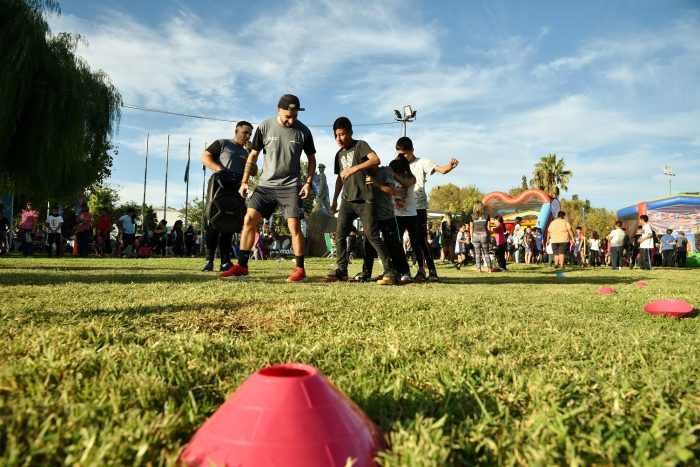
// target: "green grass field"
[[107, 361]]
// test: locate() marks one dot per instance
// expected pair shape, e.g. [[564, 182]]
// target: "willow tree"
[[550, 175], [56, 115]]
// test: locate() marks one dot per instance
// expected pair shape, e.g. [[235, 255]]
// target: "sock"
[[300, 261], [243, 258]]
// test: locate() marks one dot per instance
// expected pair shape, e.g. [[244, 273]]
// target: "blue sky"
[[611, 86]]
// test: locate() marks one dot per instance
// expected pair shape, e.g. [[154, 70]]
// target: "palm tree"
[[550, 175]]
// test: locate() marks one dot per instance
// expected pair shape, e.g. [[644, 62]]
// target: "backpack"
[[225, 207]]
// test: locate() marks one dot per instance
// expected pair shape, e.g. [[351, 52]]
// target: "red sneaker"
[[298, 275], [235, 272]]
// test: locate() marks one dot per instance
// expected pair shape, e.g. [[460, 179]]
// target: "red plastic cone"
[[668, 307], [285, 415], [605, 291]]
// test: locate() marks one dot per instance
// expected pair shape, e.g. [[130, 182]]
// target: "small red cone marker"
[[285, 415], [605, 291], [672, 308]]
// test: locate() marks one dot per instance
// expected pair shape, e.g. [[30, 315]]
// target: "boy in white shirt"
[[646, 243], [54, 222]]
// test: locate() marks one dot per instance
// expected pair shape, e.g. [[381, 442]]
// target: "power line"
[[202, 117]]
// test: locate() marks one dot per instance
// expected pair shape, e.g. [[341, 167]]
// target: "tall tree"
[[56, 115], [516, 190], [597, 219], [454, 198], [195, 208], [550, 175], [102, 197]]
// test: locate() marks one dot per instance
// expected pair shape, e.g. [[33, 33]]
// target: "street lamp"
[[668, 171], [408, 116]]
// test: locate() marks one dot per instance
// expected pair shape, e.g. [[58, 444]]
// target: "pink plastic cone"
[[641, 284], [285, 415], [605, 291], [673, 308]]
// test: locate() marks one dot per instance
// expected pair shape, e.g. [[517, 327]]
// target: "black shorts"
[[266, 199], [560, 248]]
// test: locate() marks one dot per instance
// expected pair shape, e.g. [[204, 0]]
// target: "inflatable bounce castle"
[[680, 212]]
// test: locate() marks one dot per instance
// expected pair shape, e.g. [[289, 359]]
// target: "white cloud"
[[613, 107]]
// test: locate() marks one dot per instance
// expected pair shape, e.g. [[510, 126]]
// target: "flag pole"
[[187, 178], [145, 175], [167, 157]]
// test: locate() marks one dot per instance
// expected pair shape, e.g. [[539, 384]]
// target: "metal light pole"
[[409, 115], [668, 171]]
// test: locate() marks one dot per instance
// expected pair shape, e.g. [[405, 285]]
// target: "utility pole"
[[409, 115]]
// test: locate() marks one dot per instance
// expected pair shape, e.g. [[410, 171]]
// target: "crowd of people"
[[103, 236], [390, 200]]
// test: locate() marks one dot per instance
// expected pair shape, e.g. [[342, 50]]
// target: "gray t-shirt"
[[354, 187], [481, 224], [229, 154], [383, 203], [282, 149]]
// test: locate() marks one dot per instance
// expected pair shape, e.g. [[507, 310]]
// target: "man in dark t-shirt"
[[352, 161], [281, 139], [231, 155]]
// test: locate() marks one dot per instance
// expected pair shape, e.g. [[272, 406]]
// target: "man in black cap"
[[282, 139]]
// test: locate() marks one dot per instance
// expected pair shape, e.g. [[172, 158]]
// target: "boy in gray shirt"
[[352, 161]]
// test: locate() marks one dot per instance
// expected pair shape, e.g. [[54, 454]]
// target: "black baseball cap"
[[289, 102]]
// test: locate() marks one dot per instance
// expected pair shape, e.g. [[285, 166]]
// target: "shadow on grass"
[[24, 279], [506, 278], [64, 267]]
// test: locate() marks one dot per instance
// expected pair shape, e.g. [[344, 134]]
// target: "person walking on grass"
[[561, 236], [84, 219], [281, 139], [352, 161], [54, 222], [230, 155], [530, 244], [104, 227], [27, 228], [4, 231], [594, 247], [501, 243], [127, 231], [480, 236], [383, 187], [407, 214], [160, 234], [681, 250], [667, 244], [421, 167], [646, 243], [461, 246], [616, 239]]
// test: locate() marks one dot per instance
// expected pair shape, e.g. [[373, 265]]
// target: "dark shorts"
[[266, 199], [560, 248]]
